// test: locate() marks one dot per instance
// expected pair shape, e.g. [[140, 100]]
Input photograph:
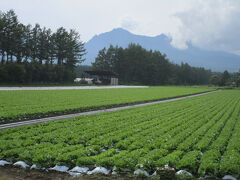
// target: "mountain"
[[214, 60]]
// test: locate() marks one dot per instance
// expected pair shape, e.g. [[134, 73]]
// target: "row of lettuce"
[[23, 105], [200, 135]]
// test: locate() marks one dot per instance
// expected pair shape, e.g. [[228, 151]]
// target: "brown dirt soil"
[[9, 172], [16, 173]]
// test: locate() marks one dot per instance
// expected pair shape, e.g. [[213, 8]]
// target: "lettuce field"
[[200, 135], [31, 104]]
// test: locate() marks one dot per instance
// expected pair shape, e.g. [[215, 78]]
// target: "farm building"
[[87, 80], [103, 77]]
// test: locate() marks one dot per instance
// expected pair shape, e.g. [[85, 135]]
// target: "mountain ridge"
[[194, 56]]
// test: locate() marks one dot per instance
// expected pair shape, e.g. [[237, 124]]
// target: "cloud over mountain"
[[212, 25], [195, 56]]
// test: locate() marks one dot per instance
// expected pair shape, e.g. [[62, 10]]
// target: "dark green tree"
[[106, 59], [60, 38], [215, 79], [2, 26], [135, 64], [75, 49], [225, 78], [34, 43], [36, 54]]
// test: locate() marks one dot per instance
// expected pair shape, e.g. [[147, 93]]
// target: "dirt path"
[[36, 121], [67, 87]]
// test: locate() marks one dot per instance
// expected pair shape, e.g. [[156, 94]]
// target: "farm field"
[[200, 135], [22, 105]]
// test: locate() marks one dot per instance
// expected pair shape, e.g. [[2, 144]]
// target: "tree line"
[[136, 65], [36, 54], [225, 79]]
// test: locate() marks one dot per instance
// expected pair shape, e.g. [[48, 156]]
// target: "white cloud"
[[129, 23], [90, 17], [210, 25]]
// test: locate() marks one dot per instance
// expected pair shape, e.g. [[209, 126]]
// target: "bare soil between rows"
[[15, 173]]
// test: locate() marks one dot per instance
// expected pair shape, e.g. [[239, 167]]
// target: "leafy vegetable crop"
[[200, 135], [22, 105]]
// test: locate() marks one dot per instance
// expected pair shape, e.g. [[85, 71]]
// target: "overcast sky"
[[209, 24]]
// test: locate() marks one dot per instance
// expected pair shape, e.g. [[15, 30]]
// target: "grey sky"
[[208, 24]]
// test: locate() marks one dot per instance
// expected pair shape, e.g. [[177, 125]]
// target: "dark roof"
[[101, 73]]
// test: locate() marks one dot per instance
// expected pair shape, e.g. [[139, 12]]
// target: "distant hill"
[[215, 60]]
